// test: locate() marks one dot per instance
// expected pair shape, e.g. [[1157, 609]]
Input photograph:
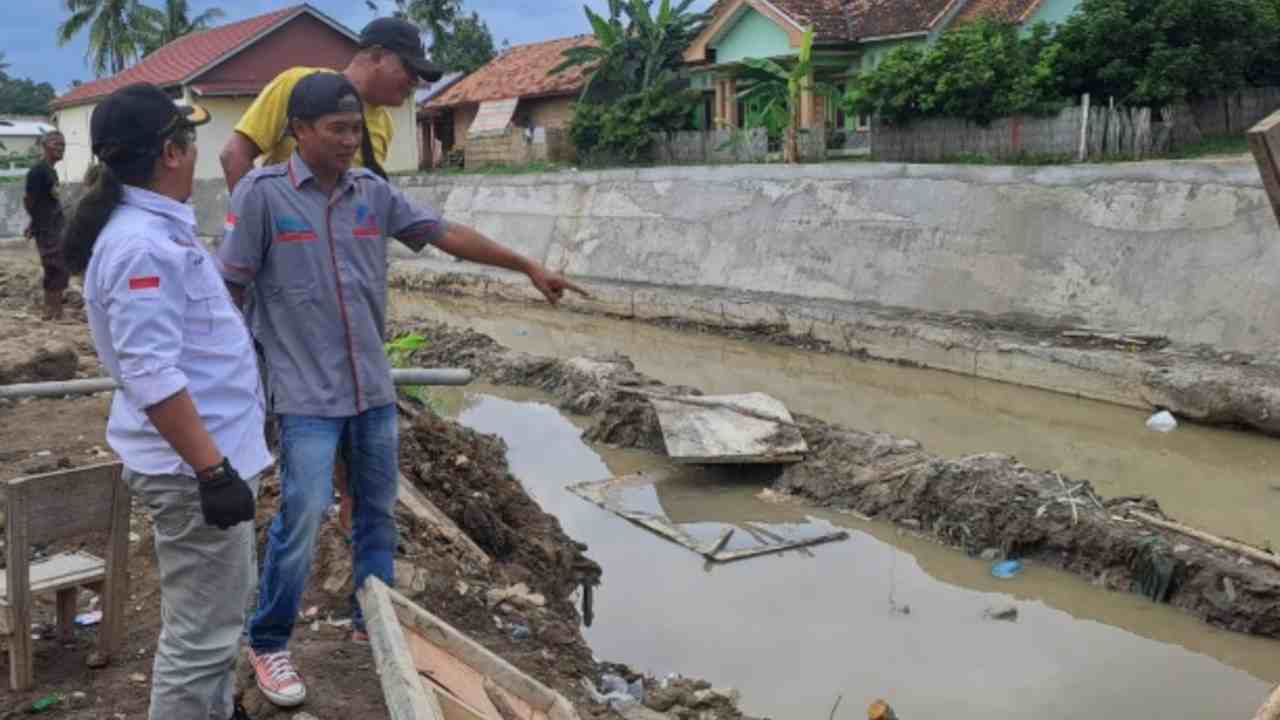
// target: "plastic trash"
[[1006, 569], [1163, 421], [519, 632], [44, 704], [88, 619], [610, 683]]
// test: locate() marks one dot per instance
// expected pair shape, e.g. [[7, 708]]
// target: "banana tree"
[[608, 59], [779, 90]]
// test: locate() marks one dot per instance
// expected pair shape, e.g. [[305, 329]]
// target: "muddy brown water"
[[1220, 480], [795, 631]]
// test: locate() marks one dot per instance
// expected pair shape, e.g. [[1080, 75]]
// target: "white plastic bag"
[[1163, 421]]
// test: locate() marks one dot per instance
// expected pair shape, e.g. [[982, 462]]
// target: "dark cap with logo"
[[402, 38], [323, 93], [134, 121]]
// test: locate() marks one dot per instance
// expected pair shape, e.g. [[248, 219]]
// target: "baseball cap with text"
[[134, 121]]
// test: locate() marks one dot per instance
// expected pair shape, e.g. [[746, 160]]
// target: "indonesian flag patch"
[[230, 224], [151, 282]]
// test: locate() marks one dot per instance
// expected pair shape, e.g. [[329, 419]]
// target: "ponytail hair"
[[105, 193]]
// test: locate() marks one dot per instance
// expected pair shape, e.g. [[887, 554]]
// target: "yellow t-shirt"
[[265, 121]]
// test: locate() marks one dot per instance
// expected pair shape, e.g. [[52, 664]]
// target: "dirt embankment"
[[988, 504], [464, 473]]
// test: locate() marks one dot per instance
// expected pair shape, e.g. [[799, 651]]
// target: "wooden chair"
[[43, 508]]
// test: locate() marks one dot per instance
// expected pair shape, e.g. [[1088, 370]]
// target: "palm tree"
[[177, 22], [117, 29], [640, 54]]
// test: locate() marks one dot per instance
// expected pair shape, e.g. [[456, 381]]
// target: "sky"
[[27, 33]]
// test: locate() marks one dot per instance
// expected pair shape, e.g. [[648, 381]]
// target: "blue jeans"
[[308, 445]]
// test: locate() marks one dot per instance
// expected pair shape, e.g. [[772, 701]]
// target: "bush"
[[626, 129], [979, 72]]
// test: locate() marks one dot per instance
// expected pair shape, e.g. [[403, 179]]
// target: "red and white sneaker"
[[278, 679]]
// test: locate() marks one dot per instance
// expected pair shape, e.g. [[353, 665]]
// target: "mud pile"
[[538, 629], [984, 504]]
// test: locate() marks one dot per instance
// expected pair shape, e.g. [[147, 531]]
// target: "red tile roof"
[[827, 17], [523, 71], [182, 58], [1015, 11], [882, 18]]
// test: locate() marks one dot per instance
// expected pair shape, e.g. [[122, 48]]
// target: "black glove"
[[225, 499]]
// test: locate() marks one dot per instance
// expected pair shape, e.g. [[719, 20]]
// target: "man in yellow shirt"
[[389, 66]]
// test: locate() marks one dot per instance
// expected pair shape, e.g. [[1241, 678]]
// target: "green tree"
[[116, 30], [637, 54], [979, 72], [4, 64], [176, 22], [625, 130], [21, 96], [434, 17], [465, 48], [1160, 52], [775, 91]]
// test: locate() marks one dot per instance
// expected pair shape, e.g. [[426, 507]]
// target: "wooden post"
[[1083, 155], [1264, 141], [717, 121], [116, 590], [19, 589], [807, 109], [731, 102]]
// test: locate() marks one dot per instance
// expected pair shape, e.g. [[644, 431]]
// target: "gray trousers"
[[207, 577]]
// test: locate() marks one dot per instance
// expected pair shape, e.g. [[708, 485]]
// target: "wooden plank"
[[115, 590], [456, 678], [422, 508], [18, 547], [66, 570], [70, 502], [502, 673], [1264, 141], [406, 697], [67, 604]]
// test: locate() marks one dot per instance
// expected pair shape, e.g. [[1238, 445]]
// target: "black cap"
[[402, 38], [134, 121], [323, 93]]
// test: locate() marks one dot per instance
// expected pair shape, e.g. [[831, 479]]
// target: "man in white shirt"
[[187, 422]]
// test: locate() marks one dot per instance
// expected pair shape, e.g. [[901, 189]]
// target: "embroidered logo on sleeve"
[[366, 223], [150, 282], [290, 229], [230, 224]]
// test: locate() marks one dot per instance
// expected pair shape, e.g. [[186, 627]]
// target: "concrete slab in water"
[[728, 429]]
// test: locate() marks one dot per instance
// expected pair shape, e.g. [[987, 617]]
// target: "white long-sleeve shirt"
[[163, 321]]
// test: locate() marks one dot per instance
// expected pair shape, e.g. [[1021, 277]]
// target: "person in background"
[[309, 242], [45, 208], [187, 420]]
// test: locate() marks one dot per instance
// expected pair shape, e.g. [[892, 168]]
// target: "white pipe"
[[401, 376]]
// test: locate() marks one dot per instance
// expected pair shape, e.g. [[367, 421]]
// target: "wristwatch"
[[216, 472]]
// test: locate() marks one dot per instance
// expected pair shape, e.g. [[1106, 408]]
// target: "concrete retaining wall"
[[1185, 250]]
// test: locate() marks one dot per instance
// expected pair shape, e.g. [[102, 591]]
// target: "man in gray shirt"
[[308, 238]]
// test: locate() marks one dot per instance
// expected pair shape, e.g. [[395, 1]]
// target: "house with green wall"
[[850, 36]]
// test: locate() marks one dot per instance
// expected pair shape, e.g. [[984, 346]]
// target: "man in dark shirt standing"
[[45, 209]]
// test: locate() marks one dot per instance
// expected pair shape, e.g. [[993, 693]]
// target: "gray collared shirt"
[[317, 266]]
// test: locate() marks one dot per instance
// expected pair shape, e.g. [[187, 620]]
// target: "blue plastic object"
[[1006, 569]]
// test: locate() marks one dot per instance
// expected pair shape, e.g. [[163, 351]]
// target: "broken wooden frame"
[[1264, 141], [600, 493], [431, 671]]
